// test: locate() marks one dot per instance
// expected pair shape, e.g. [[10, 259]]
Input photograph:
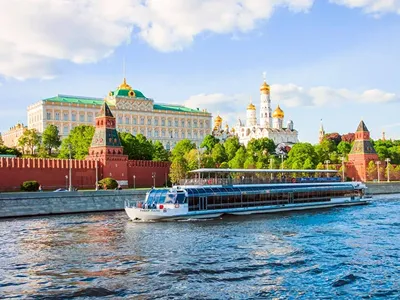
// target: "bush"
[[30, 186], [108, 183]]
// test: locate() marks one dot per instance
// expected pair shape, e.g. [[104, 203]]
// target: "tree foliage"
[[29, 140], [209, 142], [78, 142], [51, 138], [159, 152], [231, 146]]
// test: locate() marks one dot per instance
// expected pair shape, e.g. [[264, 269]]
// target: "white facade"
[[271, 124], [134, 113]]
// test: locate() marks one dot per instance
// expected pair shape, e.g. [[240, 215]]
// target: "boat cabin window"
[[175, 197], [156, 196]]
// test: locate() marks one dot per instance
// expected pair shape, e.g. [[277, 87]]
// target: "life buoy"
[[177, 205], [293, 180]]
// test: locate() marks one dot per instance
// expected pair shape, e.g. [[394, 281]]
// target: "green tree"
[[160, 153], [79, 139], [10, 151], [182, 147], [178, 169], [344, 148], [51, 138], [324, 149], [263, 146], [145, 148], [250, 162], [372, 170], [218, 154], [231, 146], [207, 161], [299, 153], [29, 139], [209, 142], [308, 164], [238, 161], [130, 144], [193, 160]]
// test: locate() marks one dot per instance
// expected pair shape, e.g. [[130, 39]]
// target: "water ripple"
[[347, 253]]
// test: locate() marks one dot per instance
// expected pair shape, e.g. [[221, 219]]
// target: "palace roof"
[[100, 101]]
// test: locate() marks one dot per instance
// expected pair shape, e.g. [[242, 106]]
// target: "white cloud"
[[37, 33], [375, 7], [232, 107]]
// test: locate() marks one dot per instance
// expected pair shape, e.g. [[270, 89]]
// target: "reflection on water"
[[346, 253]]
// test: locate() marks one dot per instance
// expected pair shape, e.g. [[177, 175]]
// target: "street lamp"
[[342, 159], [378, 163], [387, 168], [270, 160], [281, 156], [327, 166], [134, 181], [153, 175], [66, 182], [70, 168]]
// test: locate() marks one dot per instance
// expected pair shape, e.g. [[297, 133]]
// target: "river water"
[[347, 253]]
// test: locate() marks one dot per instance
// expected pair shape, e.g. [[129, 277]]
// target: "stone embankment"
[[375, 188], [48, 203]]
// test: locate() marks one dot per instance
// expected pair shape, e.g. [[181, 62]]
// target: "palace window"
[[126, 120], [195, 123], [141, 120], [189, 135], [81, 118], [183, 134], [134, 121], [57, 116], [65, 130], [163, 133], [90, 118], [149, 121], [176, 123], [48, 115], [162, 122], [134, 131], [169, 123], [148, 132], [142, 131], [195, 135], [183, 123], [119, 120], [65, 116], [201, 124], [155, 133], [176, 134], [73, 117], [156, 121], [189, 123]]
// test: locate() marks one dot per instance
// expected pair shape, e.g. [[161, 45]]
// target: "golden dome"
[[124, 86], [278, 113], [264, 89], [226, 126], [251, 107], [218, 119]]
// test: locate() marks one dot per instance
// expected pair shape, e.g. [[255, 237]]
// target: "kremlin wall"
[[105, 158]]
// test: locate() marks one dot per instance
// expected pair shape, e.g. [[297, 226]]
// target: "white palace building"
[[134, 113], [270, 125]]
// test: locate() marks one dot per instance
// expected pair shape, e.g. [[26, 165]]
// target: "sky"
[[335, 60]]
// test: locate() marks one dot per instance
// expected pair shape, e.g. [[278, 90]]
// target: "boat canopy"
[[217, 170]]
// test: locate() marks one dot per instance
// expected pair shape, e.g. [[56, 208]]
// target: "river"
[[347, 253]]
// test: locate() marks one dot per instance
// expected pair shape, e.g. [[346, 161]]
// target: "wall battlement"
[[45, 163]]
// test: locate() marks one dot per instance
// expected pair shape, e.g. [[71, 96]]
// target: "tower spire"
[[321, 132]]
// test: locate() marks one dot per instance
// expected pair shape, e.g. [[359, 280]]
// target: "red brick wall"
[[143, 169], [50, 173]]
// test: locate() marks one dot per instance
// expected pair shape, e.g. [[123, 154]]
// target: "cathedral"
[[270, 124]]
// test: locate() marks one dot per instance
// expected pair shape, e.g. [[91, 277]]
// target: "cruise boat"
[[215, 192]]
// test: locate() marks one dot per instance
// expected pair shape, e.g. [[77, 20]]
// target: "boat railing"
[[235, 181], [133, 203]]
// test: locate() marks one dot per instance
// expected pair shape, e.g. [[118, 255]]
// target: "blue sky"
[[330, 60]]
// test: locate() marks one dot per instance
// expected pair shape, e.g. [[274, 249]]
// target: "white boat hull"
[[170, 212]]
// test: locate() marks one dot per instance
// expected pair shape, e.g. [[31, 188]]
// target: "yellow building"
[[134, 113], [10, 137]]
